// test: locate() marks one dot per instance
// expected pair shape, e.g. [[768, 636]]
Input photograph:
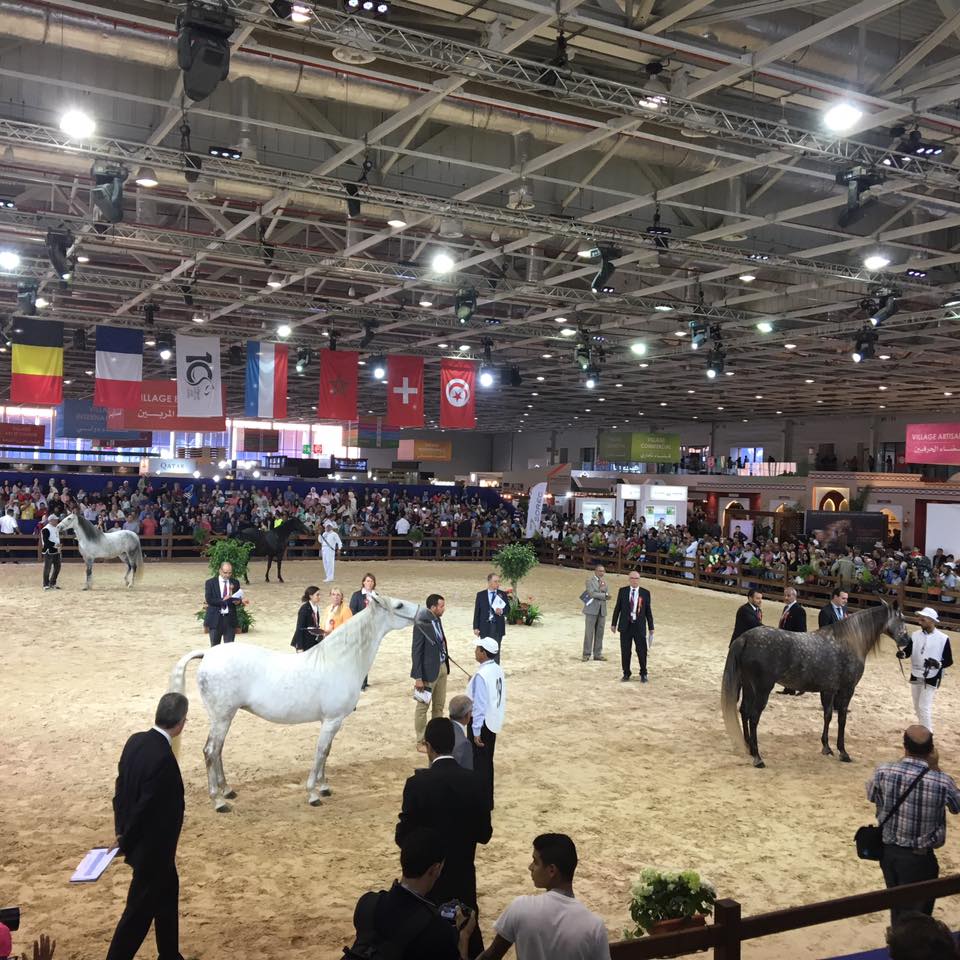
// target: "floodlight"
[[465, 304], [842, 116], [203, 46], [58, 243], [77, 125], [107, 191]]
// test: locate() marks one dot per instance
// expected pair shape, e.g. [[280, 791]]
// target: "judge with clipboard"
[[490, 613]]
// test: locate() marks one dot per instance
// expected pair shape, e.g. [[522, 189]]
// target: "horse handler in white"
[[929, 652], [488, 692], [330, 543]]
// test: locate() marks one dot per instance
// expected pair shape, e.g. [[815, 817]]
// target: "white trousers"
[[923, 695], [329, 560]]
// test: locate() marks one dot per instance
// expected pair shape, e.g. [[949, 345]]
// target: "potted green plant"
[[662, 901], [515, 561], [526, 612], [806, 573], [415, 535], [228, 550], [245, 619]]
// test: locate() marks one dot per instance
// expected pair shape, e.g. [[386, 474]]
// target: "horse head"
[[398, 613], [68, 523], [895, 628], [298, 526]]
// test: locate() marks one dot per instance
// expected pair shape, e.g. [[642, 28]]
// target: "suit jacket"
[[303, 639], [621, 612], [796, 619], [357, 602], [456, 803], [747, 619], [827, 616], [462, 747], [211, 591], [426, 648], [597, 604], [497, 628], [148, 801]]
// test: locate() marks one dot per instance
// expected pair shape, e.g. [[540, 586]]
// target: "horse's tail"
[[136, 558], [730, 692], [178, 675]]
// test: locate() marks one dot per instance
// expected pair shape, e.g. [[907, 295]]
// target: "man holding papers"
[[489, 612], [222, 594], [148, 815]]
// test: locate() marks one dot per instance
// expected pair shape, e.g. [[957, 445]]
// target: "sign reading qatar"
[[158, 411], [933, 443]]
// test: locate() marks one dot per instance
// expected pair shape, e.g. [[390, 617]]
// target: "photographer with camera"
[[401, 923], [929, 652]]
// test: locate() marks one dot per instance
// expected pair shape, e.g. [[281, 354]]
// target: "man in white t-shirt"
[[551, 925]]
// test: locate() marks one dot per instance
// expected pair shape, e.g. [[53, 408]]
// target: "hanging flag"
[[119, 367], [457, 405], [404, 392], [37, 361], [338, 385], [199, 393], [535, 509], [266, 394]]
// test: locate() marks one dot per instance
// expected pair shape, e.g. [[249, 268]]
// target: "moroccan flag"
[[266, 393], [338, 385], [37, 362], [404, 392], [458, 379], [119, 368]]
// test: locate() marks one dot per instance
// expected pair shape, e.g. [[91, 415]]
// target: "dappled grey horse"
[[828, 661], [94, 544]]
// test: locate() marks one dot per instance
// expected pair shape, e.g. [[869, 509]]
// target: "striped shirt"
[[921, 822]]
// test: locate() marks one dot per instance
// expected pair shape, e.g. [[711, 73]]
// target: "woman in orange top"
[[337, 613]]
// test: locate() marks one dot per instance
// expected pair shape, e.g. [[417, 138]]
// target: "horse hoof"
[[281, 580], [759, 764], [315, 801], [230, 795], [845, 758], [325, 792], [221, 806], [826, 751]]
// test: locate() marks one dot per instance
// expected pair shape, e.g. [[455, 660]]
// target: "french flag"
[[266, 393], [119, 368]]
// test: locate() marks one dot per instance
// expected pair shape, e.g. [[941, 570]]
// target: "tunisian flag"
[[458, 379], [404, 391], [338, 385]]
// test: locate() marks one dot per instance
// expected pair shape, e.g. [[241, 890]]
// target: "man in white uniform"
[[555, 924], [330, 543], [929, 652], [8, 527], [489, 695]]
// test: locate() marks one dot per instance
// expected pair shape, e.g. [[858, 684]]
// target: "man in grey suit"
[[460, 710], [594, 598], [431, 665]]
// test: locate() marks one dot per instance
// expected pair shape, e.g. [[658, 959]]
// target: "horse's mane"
[[342, 636], [86, 526], [861, 631]]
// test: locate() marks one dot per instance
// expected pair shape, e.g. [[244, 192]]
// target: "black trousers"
[[634, 637], [51, 569], [153, 898], [224, 630], [901, 865], [483, 758]]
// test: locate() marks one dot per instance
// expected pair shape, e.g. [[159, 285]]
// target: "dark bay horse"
[[272, 543], [829, 661]]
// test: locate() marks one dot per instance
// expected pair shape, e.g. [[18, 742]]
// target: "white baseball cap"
[[489, 644], [929, 613]]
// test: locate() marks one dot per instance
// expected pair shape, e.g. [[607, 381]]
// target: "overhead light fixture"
[[520, 198], [164, 349], [10, 260], [425, 300], [887, 306], [952, 302], [550, 77], [592, 378], [225, 153], [44, 302], [203, 46], [715, 363], [842, 116], [638, 348], [396, 219], [369, 332], [588, 253], [275, 280], [865, 345], [875, 261], [663, 308], [451, 229], [77, 124], [916, 274], [58, 244], [699, 331], [107, 191], [284, 330], [765, 326], [442, 262], [568, 332], [378, 368], [146, 177], [657, 232], [304, 356], [789, 346], [758, 256], [746, 278], [27, 298], [607, 268], [465, 304], [912, 145], [199, 316], [858, 181]]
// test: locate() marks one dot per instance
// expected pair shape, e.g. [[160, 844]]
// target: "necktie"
[[783, 619], [224, 589], [633, 604], [759, 615], [492, 595], [839, 612]]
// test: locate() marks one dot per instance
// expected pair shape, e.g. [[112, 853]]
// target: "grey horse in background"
[[94, 544], [828, 661]]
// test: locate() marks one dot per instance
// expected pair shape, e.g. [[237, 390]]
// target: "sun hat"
[[929, 613], [489, 644]]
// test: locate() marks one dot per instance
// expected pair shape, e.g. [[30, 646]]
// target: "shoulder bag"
[[869, 839]]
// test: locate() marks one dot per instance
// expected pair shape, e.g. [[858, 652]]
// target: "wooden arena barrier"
[[729, 929]]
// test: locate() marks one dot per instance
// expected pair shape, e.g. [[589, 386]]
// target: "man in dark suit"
[[461, 710], [835, 610], [454, 802], [148, 815], [632, 615], [749, 615], [794, 619], [222, 594], [431, 665], [489, 617]]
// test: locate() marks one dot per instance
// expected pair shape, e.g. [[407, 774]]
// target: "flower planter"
[[675, 924]]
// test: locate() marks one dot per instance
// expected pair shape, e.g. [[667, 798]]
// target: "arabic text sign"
[[15, 434], [80, 418], [158, 411], [933, 443]]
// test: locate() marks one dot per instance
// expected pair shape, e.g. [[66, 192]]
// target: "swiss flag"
[[404, 391], [458, 380], [338, 385]]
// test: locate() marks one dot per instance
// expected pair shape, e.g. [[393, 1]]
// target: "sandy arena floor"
[[638, 775]]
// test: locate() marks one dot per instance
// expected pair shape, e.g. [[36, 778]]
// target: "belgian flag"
[[37, 363]]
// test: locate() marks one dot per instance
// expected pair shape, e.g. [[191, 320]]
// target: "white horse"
[[321, 684], [94, 544]]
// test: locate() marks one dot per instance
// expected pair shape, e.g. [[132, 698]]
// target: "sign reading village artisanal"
[[158, 411], [617, 447], [933, 443]]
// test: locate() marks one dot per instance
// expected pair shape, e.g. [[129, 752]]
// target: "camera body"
[[449, 909], [10, 918], [930, 663]]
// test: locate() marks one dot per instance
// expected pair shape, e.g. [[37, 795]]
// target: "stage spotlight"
[[842, 116], [7, 204], [486, 377], [284, 330], [765, 326], [58, 243], [9, 260], [886, 307], [378, 368], [659, 234], [235, 354], [914, 146], [916, 274], [875, 262], [516, 378], [699, 331], [149, 315], [865, 345], [715, 363], [558, 61], [203, 46], [77, 125], [858, 181], [225, 153], [164, 348], [27, 298], [465, 304], [304, 356], [592, 377], [107, 191], [607, 268], [353, 189], [369, 332], [294, 12], [442, 262]]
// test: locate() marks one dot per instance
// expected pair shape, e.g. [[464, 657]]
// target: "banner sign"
[[338, 385], [638, 447], [198, 377], [404, 391], [18, 434], [349, 463], [374, 433], [457, 394], [933, 443], [81, 419], [417, 451], [260, 441], [535, 508], [158, 411]]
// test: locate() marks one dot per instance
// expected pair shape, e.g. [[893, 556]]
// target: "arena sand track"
[[639, 775]]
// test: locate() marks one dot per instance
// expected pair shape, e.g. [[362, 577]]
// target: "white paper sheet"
[[93, 864]]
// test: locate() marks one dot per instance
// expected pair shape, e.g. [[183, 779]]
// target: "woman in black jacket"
[[308, 633], [358, 602]]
